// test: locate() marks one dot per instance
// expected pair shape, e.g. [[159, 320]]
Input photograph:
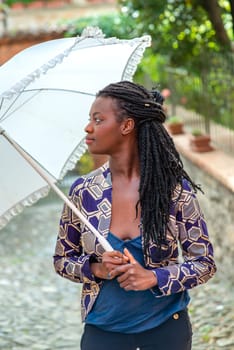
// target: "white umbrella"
[[45, 95]]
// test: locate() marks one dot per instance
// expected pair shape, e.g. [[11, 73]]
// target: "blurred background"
[[191, 61]]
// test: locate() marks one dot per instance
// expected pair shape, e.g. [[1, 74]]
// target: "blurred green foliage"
[[85, 164], [113, 25], [182, 30], [12, 2], [198, 72], [191, 52]]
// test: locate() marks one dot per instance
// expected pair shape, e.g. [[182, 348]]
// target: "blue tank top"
[[117, 310]]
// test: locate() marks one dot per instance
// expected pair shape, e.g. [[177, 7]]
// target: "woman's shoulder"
[[95, 177], [182, 191]]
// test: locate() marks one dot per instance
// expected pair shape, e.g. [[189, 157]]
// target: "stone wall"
[[218, 206]]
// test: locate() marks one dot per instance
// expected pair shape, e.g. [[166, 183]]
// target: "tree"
[[214, 12], [184, 29], [191, 52]]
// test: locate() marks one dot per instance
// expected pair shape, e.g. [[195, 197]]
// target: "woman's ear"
[[127, 126]]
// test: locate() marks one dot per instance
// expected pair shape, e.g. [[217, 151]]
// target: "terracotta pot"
[[175, 128], [17, 6], [200, 143], [36, 4]]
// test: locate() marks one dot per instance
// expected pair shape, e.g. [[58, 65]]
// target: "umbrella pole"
[[40, 171]]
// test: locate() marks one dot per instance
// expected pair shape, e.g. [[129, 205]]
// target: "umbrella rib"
[[64, 90], [1, 104], [32, 96], [106, 245], [13, 102]]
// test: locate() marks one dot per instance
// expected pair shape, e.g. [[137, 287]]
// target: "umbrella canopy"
[[45, 95]]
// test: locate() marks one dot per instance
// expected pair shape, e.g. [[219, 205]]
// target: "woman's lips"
[[88, 141]]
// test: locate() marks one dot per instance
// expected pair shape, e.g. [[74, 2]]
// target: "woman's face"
[[104, 135]]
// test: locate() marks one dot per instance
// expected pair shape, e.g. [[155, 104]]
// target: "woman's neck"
[[125, 166]]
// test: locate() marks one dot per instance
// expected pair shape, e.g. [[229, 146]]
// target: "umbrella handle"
[[105, 244]]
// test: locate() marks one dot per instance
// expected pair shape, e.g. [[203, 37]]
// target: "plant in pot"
[[175, 125], [200, 142]]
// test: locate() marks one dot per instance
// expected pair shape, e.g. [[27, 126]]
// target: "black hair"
[[161, 168]]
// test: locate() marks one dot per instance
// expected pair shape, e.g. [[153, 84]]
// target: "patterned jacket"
[[187, 253]]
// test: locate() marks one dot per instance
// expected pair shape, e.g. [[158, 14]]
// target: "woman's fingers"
[[129, 256], [114, 257], [109, 262], [124, 270]]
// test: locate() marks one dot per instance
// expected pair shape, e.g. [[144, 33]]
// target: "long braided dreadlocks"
[[161, 168]]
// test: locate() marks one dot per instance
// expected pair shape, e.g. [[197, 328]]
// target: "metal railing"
[[206, 101]]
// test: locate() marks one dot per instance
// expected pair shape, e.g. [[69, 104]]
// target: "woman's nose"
[[88, 127]]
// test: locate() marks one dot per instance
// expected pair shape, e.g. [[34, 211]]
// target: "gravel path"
[[40, 310]]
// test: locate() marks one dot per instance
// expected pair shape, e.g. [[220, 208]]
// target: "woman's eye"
[[97, 120]]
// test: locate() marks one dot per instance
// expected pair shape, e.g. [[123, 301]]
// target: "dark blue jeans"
[[174, 334]]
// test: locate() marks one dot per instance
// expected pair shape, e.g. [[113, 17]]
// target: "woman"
[[144, 203]]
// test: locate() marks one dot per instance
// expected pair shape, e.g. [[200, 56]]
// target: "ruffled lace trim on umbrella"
[[73, 159], [43, 192], [19, 207], [89, 32]]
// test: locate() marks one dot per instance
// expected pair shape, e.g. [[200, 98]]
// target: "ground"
[[39, 310]]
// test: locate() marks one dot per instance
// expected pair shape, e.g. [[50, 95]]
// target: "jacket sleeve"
[[69, 260], [197, 265]]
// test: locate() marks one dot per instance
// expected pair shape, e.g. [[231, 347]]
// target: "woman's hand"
[[110, 260], [133, 276]]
